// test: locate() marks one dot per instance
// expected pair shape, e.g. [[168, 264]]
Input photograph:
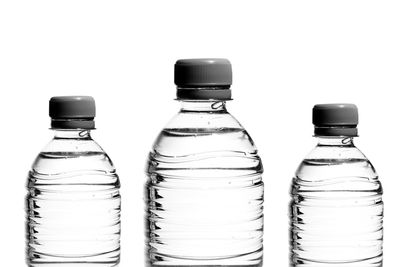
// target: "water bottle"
[[336, 208], [73, 200], [204, 190]]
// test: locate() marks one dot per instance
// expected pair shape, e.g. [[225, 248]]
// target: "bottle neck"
[[335, 141], [203, 106], [72, 134]]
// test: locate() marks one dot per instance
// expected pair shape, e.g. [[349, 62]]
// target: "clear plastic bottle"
[[336, 208], [204, 190], [73, 200]]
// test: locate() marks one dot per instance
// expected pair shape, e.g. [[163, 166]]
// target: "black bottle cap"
[[335, 120], [72, 112], [203, 79]]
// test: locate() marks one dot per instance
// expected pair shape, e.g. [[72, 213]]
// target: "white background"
[[286, 56]]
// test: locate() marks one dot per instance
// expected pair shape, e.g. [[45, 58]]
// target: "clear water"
[[204, 199], [336, 215], [73, 211]]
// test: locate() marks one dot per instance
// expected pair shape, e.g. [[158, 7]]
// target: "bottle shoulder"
[[203, 132], [72, 145], [336, 168], [203, 119], [207, 142], [73, 161]]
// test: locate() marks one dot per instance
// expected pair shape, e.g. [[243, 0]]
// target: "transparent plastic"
[[73, 204], [204, 191], [336, 208]]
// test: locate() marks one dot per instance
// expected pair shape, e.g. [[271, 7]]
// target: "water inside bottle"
[[73, 207], [204, 198], [336, 216]]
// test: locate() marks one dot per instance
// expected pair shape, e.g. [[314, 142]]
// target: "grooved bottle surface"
[[73, 208], [204, 199], [336, 212]]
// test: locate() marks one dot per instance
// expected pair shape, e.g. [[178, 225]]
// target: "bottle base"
[[74, 264], [193, 265]]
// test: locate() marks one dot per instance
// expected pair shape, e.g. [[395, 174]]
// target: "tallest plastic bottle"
[[204, 188]]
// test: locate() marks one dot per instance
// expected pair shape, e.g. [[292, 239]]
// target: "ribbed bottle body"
[[336, 210], [204, 198], [73, 207]]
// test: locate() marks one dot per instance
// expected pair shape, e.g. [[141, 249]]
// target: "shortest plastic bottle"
[[73, 200], [336, 208]]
